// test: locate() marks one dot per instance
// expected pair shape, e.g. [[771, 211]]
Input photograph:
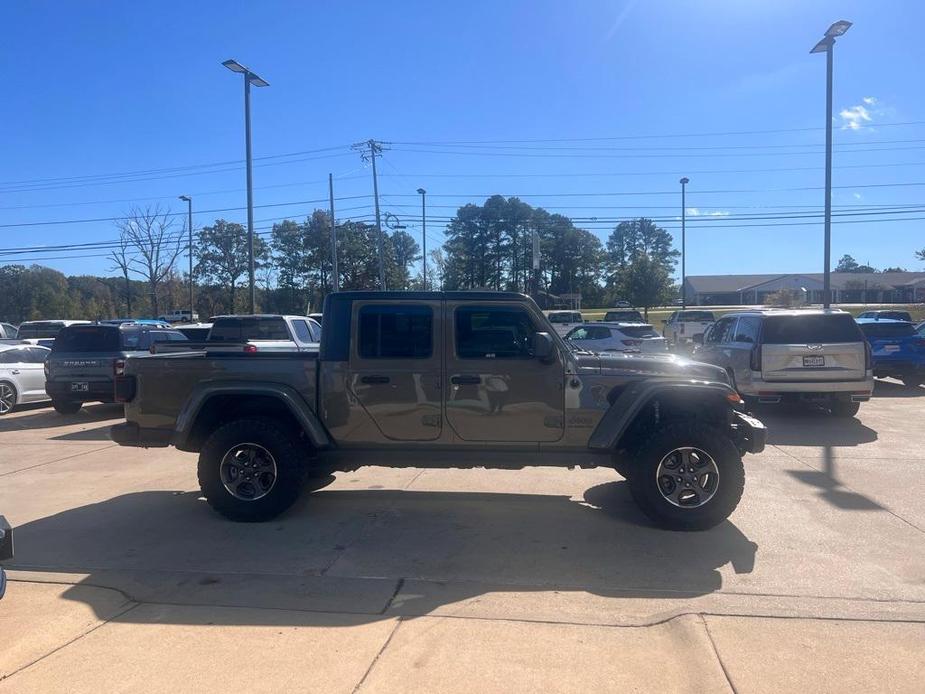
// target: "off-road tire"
[[646, 457], [844, 408], [66, 406], [288, 453]]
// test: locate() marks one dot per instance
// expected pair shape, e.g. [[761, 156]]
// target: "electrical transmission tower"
[[369, 150]]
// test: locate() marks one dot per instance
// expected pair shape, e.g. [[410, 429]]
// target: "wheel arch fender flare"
[[635, 398], [289, 397]]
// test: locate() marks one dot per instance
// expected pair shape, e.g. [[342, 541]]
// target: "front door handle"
[[371, 380], [465, 380], [14, 371]]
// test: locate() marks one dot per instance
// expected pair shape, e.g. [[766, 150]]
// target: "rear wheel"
[[251, 469], [688, 476], [7, 398], [845, 408], [66, 406]]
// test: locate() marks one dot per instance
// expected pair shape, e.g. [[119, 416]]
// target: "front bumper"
[[130, 434], [96, 390], [750, 434]]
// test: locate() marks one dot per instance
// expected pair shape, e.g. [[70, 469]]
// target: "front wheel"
[[66, 406], [251, 469], [7, 398], [688, 476]]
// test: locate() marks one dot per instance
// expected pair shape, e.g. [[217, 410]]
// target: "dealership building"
[[847, 287]]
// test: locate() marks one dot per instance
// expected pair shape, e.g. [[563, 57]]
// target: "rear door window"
[[12, 356], [721, 331], [811, 329], [87, 338], [400, 331], [747, 329], [302, 331], [493, 332]]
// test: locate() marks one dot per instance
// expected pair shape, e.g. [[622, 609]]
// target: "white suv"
[[819, 355], [618, 337]]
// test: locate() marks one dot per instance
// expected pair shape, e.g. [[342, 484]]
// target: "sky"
[[592, 109]]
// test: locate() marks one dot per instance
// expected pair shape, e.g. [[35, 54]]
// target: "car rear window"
[[638, 331], [199, 334], [249, 328], [802, 330], [631, 316], [564, 317], [695, 316], [32, 331], [87, 338], [888, 329]]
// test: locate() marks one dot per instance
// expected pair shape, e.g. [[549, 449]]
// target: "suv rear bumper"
[[130, 434], [856, 390], [96, 390]]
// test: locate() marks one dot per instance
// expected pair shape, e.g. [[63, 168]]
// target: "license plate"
[[891, 348], [81, 387], [813, 361]]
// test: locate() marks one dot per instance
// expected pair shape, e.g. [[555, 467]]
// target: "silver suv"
[[775, 355]]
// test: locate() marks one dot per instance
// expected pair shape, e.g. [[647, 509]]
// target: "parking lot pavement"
[[449, 580]]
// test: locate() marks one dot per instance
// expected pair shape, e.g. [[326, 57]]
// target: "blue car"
[[897, 349]]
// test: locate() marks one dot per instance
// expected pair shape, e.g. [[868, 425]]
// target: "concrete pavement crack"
[[57, 460], [719, 658], [375, 660]]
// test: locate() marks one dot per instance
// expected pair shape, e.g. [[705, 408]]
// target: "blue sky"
[[611, 103]]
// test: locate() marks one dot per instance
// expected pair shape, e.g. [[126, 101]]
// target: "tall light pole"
[[684, 181], [249, 79], [189, 224], [423, 194], [825, 46]]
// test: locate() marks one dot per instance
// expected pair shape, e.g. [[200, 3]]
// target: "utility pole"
[[369, 150], [536, 265], [189, 211], [684, 181], [336, 283], [423, 194]]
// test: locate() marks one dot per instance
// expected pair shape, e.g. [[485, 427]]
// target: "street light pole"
[[825, 46], [249, 79], [423, 194], [189, 224], [684, 181]]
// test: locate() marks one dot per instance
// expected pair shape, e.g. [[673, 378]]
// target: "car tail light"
[[124, 389], [868, 357], [250, 349], [118, 367], [918, 342], [755, 358], [631, 343], [47, 368]]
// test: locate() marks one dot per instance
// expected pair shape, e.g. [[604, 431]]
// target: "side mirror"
[[698, 338], [665, 320], [543, 347]]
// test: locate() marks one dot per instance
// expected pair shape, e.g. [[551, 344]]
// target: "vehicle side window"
[[672, 317], [176, 337], [597, 332], [578, 334], [494, 332], [12, 356], [35, 355], [315, 330], [157, 336], [719, 330], [746, 330], [301, 330], [401, 331]]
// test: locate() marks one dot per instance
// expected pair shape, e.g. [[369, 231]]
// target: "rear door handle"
[[14, 371], [371, 380], [465, 380]]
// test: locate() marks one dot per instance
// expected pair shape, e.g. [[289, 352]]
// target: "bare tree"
[[148, 232], [122, 261]]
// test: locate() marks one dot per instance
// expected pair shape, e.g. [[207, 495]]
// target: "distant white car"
[[563, 321], [7, 331], [22, 375], [682, 326], [618, 337]]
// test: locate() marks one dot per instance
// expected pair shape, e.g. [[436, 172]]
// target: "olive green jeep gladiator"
[[443, 379]]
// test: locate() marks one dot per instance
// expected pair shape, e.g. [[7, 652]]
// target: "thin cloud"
[[869, 100], [719, 213], [855, 117], [693, 211], [697, 212]]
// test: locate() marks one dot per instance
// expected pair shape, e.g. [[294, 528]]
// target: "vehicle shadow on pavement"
[[47, 418], [895, 389], [808, 426], [100, 433], [352, 551]]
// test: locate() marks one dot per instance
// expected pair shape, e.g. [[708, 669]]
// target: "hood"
[[643, 365]]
